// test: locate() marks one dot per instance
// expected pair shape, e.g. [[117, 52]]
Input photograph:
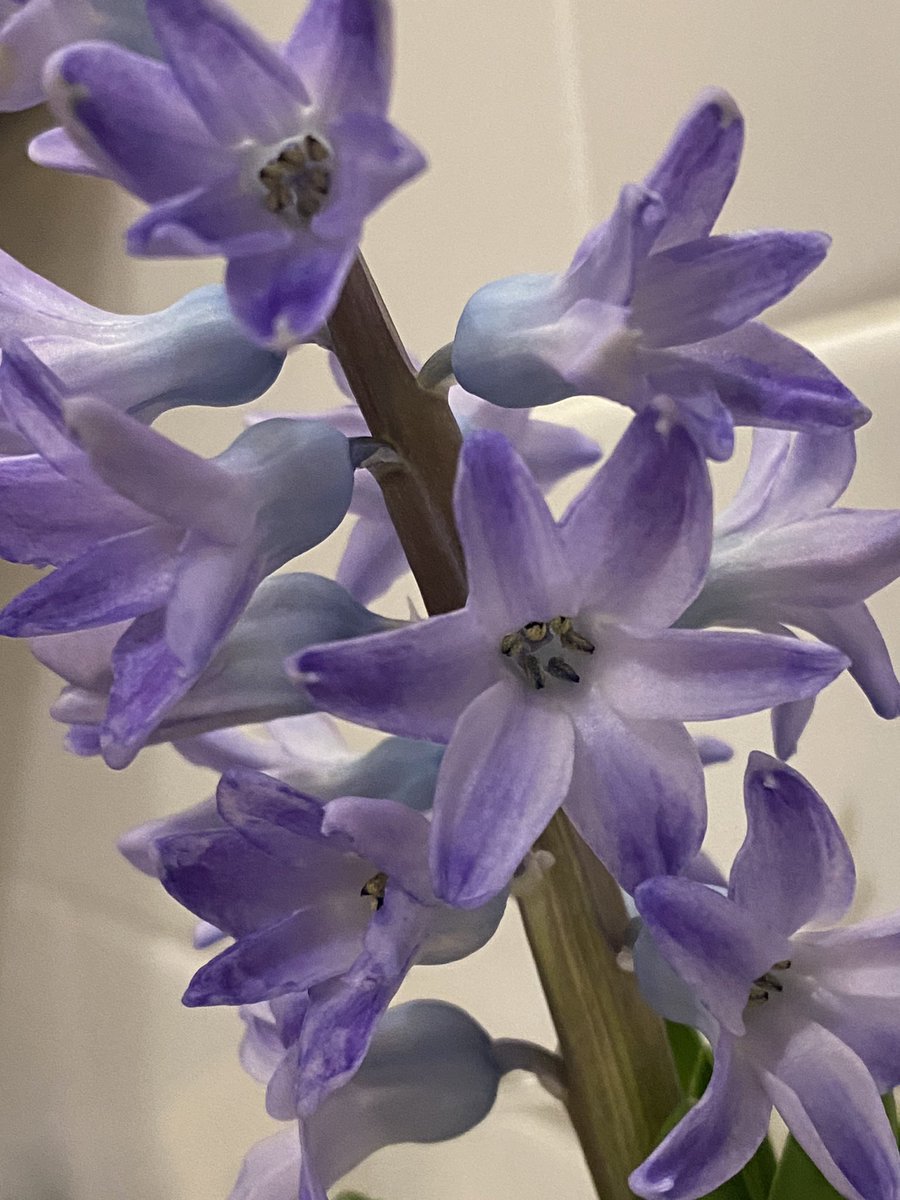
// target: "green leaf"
[[693, 1058], [797, 1175], [760, 1171], [890, 1107], [352, 1196]]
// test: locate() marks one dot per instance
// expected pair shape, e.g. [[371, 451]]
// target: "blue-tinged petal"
[[32, 401], [414, 681], [611, 257], [287, 957], [698, 167], [284, 297], [707, 674], [401, 769], [126, 113], [794, 866], [829, 1102], [707, 287], [788, 723], [56, 149], [372, 560], [637, 795], [665, 992], [271, 1169], [241, 87], [341, 49], [717, 947], [714, 1140], [121, 577], [766, 378], [515, 556], [504, 774], [641, 531], [388, 834]]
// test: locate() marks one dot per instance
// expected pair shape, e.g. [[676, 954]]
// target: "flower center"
[[762, 987], [374, 888], [538, 650], [299, 179]]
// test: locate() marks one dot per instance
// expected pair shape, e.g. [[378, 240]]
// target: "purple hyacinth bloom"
[[271, 158], [653, 307], [31, 30], [803, 1017], [560, 681], [194, 352], [244, 682], [331, 899], [784, 555], [431, 1073]]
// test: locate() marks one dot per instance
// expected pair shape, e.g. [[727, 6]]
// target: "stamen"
[[560, 669], [760, 988], [532, 669], [784, 965], [535, 632], [562, 627], [529, 644], [374, 888], [510, 642], [299, 178]]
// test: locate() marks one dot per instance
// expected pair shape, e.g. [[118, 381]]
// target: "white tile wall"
[[533, 112]]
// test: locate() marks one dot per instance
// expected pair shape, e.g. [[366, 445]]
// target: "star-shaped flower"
[[560, 681], [271, 158], [803, 1018], [654, 309]]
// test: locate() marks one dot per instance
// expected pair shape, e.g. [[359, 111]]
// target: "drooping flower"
[[431, 1073], [331, 899], [31, 30], [142, 530], [560, 681], [191, 353], [803, 1018], [655, 309], [272, 159], [784, 555], [244, 682]]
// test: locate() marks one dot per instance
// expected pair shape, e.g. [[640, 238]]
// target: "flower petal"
[[637, 794], [341, 49], [788, 723], [716, 946], [386, 833], [414, 681], [641, 531], [271, 1169], [373, 559], [504, 774], [611, 257], [714, 1140], [710, 286], [794, 866], [284, 824], [56, 149]]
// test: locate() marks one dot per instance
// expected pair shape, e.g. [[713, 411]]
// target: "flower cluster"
[[563, 681]]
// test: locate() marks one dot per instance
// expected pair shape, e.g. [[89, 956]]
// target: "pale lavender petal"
[[271, 1169], [388, 834], [612, 256], [55, 149], [697, 168], [211, 588], [788, 723], [373, 559], [710, 286], [341, 49], [414, 681], [704, 675], [831, 1105], [857, 960], [641, 531], [714, 1140], [515, 556], [868, 1025], [713, 750], [240, 86], [551, 452], [794, 866], [854, 631], [637, 794], [680, 389], [138, 844], [716, 947], [227, 748], [81, 658], [504, 774]]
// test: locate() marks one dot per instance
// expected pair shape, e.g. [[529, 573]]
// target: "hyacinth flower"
[[331, 899], [431, 1073], [199, 536], [784, 555], [193, 352], [653, 306], [31, 30], [244, 682], [271, 158], [803, 1016], [560, 682]]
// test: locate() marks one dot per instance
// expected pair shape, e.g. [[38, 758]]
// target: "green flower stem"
[[620, 1077]]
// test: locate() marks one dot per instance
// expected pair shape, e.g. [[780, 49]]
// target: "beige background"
[[533, 112]]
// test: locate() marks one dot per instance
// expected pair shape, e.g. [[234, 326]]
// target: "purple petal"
[[714, 1140], [413, 681], [857, 960], [713, 750], [767, 379], [551, 452], [715, 946], [637, 794], [697, 168], [240, 86], [213, 585], [831, 1105], [341, 49], [55, 148], [710, 286], [373, 559], [788, 723], [515, 557], [271, 1169], [868, 1025], [504, 774], [125, 112], [853, 630], [686, 394], [704, 675], [282, 823], [138, 844], [612, 256], [641, 531], [794, 865], [388, 834]]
